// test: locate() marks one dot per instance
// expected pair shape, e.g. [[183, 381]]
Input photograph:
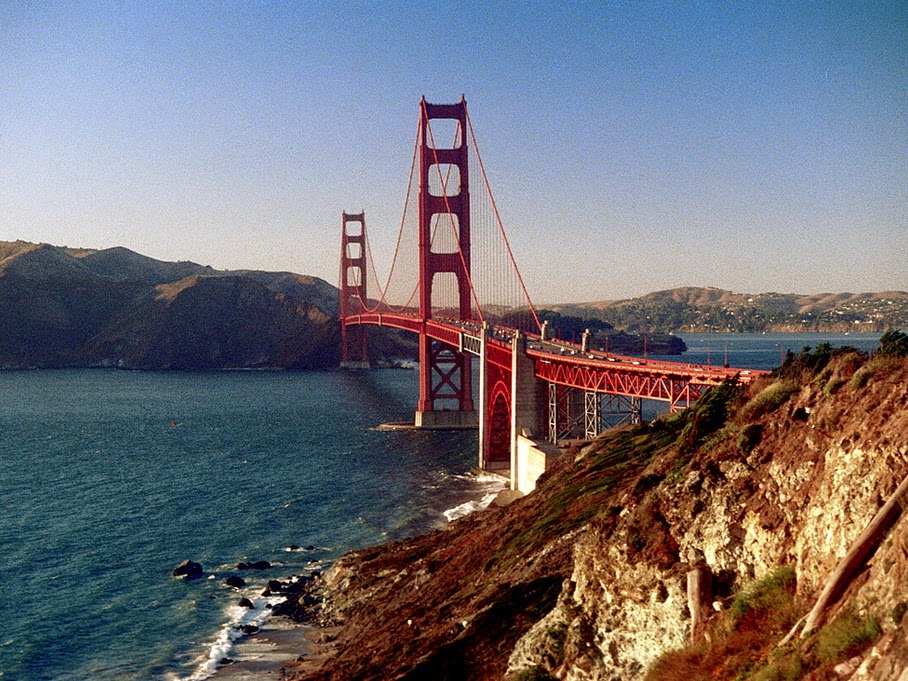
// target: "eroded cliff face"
[[587, 578], [825, 461]]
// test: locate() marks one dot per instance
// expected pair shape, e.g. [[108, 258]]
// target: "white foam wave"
[[237, 617], [468, 507], [489, 477]]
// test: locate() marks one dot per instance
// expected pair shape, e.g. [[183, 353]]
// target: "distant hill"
[[703, 310], [64, 307], [77, 307]]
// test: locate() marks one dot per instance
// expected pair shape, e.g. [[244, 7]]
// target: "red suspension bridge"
[[460, 291]]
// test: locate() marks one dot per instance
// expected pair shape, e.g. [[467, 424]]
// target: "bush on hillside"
[[845, 636], [768, 400], [708, 415], [893, 343]]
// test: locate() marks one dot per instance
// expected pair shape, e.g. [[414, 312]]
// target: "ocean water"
[[112, 478], [763, 350]]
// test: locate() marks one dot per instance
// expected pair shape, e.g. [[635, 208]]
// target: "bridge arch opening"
[[445, 229], [498, 452], [444, 133], [444, 179], [445, 295], [354, 250], [354, 276]]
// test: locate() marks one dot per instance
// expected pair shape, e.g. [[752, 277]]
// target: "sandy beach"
[[279, 647], [265, 654]]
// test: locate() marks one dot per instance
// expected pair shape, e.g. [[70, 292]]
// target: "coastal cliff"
[[693, 547]]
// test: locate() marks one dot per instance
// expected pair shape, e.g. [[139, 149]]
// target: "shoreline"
[[278, 651], [269, 652], [300, 634]]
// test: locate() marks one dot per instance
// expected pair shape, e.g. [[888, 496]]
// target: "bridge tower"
[[353, 290], [445, 376]]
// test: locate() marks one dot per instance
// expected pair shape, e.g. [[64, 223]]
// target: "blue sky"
[[631, 147]]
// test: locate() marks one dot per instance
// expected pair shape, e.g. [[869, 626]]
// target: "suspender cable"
[[513, 262]]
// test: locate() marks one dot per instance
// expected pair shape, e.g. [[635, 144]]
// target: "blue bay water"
[[763, 351], [111, 478]]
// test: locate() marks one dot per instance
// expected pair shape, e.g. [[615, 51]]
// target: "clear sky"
[[631, 146]]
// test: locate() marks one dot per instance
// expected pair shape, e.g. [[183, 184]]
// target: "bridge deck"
[[567, 363]]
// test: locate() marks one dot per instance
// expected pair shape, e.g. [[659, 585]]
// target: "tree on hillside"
[[894, 343]]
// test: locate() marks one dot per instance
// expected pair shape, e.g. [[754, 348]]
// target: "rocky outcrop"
[[188, 569], [254, 565], [828, 457], [741, 508]]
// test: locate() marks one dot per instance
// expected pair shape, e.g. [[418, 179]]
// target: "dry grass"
[[740, 642], [878, 366], [768, 400], [845, 636]]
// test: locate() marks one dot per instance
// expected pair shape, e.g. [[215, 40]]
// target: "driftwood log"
[[863, 547], [699, 597]]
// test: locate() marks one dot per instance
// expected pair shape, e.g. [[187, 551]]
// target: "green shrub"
[[898, 612], [707, 415], [750, 437], [787, 667], [806, 362], [772, 592], [845, 636], [558, 634], [769, 399], [536, 673], [879, 365], [893, 343]]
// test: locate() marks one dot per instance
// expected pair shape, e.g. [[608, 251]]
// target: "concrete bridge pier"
[[483, 421], [530, 455]]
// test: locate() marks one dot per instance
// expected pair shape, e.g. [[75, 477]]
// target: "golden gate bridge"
[[453, 281]]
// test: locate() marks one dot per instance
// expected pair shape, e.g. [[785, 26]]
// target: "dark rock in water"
[[225, 661], [245, 603], [275, 586], [248, 629], [310, 548], [294, 547], [188, 569], [304, 602], [235, 582], [257, 565]]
